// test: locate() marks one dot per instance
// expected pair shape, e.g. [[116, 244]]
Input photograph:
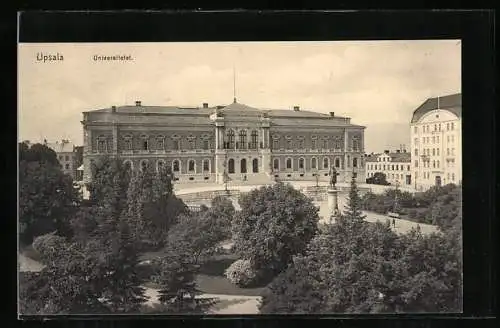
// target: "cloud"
[[377, 83]]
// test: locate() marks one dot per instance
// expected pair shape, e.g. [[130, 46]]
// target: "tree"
[[360, 267], [47, 197], [37, 153], [222, 212], [378, 178], [275, 223], [176, 275], [151, 206]]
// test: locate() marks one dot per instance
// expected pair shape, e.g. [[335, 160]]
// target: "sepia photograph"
[[236, 178]]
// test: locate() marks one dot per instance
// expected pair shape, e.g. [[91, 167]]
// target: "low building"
[[67, 156], [395, 165]]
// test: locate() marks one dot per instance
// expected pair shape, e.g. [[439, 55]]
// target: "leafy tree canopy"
[[275, 223]]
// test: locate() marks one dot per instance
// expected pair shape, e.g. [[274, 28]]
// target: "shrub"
[[241, 273], [48, 245]]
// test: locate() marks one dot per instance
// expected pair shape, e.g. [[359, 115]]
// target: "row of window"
[[66, 158], [427, 175], [450, 126], [436, 164], [389, 176], [435, 152], [176, 165], [434, 139], [314, 163], [391, 167]]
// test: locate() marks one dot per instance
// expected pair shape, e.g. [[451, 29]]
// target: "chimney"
[[138, 103], [296, 108], [386, 151], [113, 109], [205, 105], [398, 151], [332, 114]]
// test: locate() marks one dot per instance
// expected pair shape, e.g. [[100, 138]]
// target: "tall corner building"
[[436, 142], [209, 144]]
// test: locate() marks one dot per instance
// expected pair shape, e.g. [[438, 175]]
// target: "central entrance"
[[438, 180], [243, 166], [255, 165]]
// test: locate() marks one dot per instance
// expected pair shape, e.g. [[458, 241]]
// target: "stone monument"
[[333, 207]]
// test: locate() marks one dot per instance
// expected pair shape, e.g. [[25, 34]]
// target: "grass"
[[220, 285], [29, 252]]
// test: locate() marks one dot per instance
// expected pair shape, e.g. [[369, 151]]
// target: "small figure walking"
[[394, 223], [244, 177]]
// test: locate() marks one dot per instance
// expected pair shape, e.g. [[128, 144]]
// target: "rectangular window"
[[452, 126], [177, 145], [408, 168], [416, 163], [415, 129], [437, 151], [205, 144], [452, 151], [206, 166], [160, 144], [145, 145], [433, 152], [275, 144]]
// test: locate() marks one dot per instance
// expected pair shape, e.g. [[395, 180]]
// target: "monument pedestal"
[[333, 206]]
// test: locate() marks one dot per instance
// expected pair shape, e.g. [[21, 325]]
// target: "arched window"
[[337, 162], [128, 165], [231, 165], [243, 139], [437, 164], [206, 165], [144, 165], [326, 163], [301, 163], [314, 164], [349, 161], [243, 165], [255, 165], [191, 166], [355, 162], [337, 143], [160, 142], [276, 164], [288, 163], [176, 165], [127, 144], [101, 144], [144, 142], [230, 139], [160, 165], [254, 139]]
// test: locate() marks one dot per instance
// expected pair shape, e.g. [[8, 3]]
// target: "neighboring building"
[[65, 151], [79, 163], [436, 142], [201, 144], [396, 166]]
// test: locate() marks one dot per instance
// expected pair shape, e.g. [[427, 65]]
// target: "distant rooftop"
[[451, 103], [63, 146]]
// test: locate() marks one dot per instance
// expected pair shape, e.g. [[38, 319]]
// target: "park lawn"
[[212, 280]]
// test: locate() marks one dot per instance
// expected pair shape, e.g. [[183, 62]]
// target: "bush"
[[241, 273], [48, 245]]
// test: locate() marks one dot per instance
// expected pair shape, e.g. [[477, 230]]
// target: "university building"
[[395, 165], [209, 144], [436, 142]]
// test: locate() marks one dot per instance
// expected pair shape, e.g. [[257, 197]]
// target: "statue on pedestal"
[[333, 176]]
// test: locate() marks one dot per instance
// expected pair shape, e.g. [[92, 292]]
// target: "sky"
[[376, 83]]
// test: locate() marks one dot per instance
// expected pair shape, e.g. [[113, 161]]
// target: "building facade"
[[436, 142], [395, 165], [67, 156], [209, 144]]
